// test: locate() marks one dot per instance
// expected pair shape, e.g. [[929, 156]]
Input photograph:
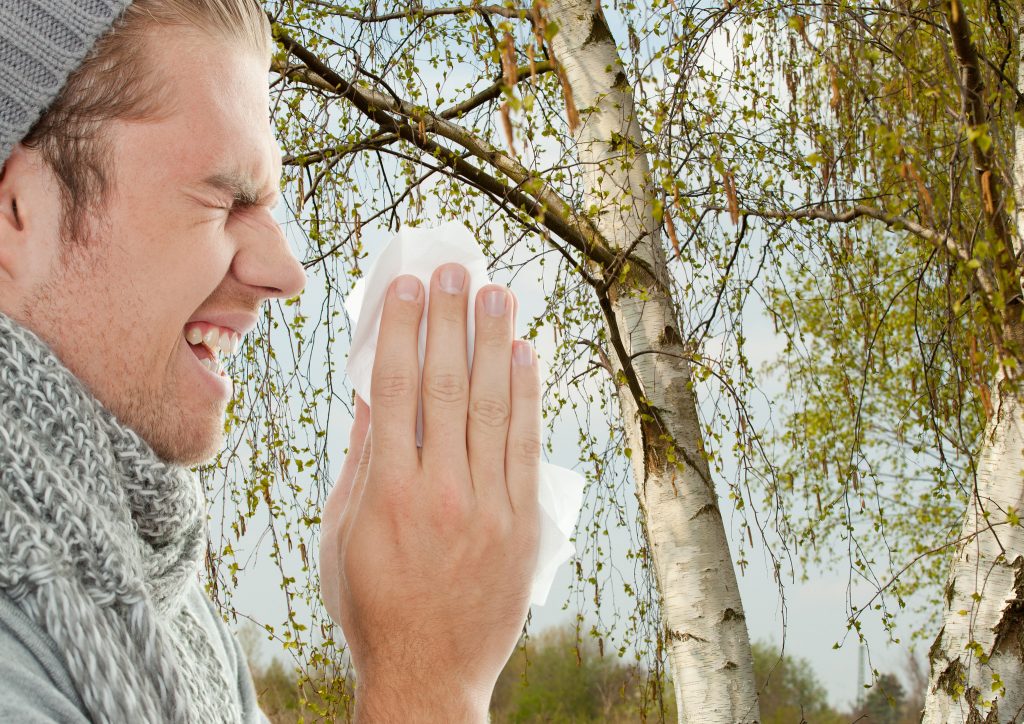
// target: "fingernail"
[[452, 278], [495, 302], [522, 353], [407, 288]]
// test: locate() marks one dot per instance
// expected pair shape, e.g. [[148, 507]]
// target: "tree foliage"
[[822, 166], [789, 690], [894, 313], [560, 676]]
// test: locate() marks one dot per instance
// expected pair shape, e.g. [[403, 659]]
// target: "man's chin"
[[186, 445], [192, 459], [198, 453]]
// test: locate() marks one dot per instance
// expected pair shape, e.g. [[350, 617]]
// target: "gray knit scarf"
[[99, 543]]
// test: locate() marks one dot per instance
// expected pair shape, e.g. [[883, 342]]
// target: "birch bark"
[[704, 626], [977, 660]]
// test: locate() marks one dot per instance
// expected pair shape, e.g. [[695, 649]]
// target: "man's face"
[[186, 247]]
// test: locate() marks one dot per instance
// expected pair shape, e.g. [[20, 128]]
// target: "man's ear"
[[14, 244]]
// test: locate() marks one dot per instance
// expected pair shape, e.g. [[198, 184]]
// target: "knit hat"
[[41, 43]]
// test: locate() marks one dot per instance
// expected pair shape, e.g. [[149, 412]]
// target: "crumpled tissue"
[[419, 251]]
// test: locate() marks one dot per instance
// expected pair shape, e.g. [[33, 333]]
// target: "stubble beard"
[[174, 436], [149, 406]]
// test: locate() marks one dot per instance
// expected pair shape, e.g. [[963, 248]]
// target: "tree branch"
[[376, 141], [531, 194], [495, 90], [944, 242], [414, 13], [972, 87]]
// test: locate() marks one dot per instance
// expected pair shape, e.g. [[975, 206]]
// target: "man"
[[136, 248]]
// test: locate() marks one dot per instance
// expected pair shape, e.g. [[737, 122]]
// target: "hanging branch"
[[972, 88], [530, 194], [984, 277]]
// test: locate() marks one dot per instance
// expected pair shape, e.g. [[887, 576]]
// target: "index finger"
[[394, 389]]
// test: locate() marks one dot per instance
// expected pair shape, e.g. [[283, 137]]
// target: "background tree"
[[560, 676], [789, 690], [906, 315], [884, 703]]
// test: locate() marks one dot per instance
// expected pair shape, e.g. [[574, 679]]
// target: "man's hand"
[[427, 556]]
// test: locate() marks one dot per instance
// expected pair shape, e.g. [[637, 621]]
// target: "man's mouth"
[[212, 344]]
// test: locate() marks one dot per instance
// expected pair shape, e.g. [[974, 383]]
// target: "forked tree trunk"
[[703, 623], [977, 660]]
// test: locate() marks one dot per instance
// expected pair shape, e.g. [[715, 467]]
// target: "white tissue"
[[419, 252]]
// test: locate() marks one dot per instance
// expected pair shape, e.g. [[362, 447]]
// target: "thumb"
[[356, 441], [337, 500], [333, 513]]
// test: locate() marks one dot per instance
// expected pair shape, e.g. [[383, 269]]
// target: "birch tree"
[[850, 164], [705, 627], [909, 128], [977, 660], [548, 140]]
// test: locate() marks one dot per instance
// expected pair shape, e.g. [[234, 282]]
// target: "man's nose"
[[265, 260]]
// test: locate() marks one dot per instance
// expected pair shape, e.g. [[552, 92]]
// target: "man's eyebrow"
[[243, 189]]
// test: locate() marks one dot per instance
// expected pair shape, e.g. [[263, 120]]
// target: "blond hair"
[[116, 83]]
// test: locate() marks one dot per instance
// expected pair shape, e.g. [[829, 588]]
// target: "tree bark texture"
[[703, 622], [977, 660]]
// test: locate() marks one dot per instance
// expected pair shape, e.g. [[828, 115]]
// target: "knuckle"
[[392, 385], [489, 412], [497, 525], [526, 447], [445, 388], [493, 335], [453, 508]]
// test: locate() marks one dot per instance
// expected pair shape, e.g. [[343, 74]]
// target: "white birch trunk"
[[977, 660], [703, 623], [982, 636]]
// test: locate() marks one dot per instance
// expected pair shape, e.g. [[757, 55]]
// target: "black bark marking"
[[1009, 632], [680, 636], [707, 509], [731, 614], [670, 338], [935, 652], [599, 32], [952, 678]]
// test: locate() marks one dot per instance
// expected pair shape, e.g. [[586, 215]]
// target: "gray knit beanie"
[[41, 43]]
